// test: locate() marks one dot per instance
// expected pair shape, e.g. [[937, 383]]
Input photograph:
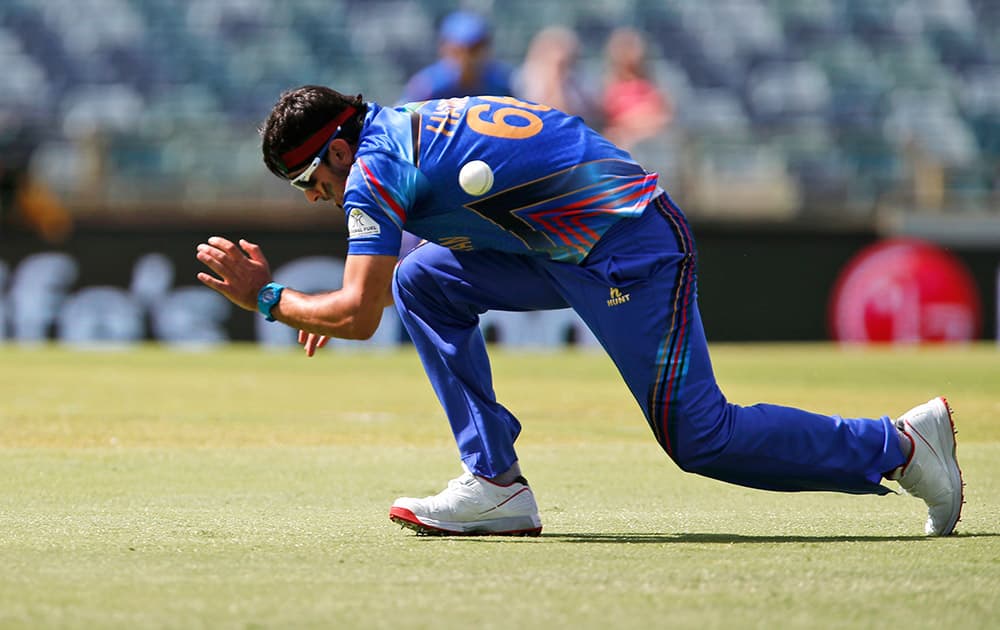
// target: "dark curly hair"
[[302, 112]]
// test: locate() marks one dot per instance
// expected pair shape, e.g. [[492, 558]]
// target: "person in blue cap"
[[465, 66]]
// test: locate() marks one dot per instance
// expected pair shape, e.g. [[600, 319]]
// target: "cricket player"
[[524, 208]]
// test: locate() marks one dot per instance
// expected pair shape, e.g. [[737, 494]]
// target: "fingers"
[[211, 258], [312, 342], [236, 276], [224, 244], [311, 345], [218, 253], [211, 281], [253, 251]]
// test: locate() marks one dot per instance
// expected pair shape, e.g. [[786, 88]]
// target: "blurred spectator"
[[549, 75], [634, 108], [465, 67], [26, 204]]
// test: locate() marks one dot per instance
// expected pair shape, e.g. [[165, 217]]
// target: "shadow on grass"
[[631, 538]]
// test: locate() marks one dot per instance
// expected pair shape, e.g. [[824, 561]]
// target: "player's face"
[[327, 181], [304, 180], [469, 59]]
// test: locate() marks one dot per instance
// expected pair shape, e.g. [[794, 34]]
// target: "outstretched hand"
[[243, 270]]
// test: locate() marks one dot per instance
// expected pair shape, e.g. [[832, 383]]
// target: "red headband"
[[305, 151]]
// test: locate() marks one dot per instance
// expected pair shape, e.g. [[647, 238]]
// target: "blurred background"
[[794, 133]]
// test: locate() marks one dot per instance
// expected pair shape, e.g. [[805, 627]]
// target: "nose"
[[312, 195]]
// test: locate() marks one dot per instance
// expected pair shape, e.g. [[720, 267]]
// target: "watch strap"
[[267, 298]]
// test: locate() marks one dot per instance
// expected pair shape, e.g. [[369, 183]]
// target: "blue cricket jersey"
[[558, 185]]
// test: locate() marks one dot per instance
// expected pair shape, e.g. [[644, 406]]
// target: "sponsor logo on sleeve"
[[359, 224]]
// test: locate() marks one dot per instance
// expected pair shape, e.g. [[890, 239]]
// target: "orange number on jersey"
[[497, 124]]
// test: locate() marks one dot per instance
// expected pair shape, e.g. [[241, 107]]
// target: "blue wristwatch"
[[267, 298]]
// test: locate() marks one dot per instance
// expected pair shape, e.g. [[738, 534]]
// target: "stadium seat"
[[779, 93], [153, 76]]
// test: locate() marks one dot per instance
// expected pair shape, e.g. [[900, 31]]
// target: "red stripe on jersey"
[[383, 193]]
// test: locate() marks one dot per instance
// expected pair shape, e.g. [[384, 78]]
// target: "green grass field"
[[243, 488]]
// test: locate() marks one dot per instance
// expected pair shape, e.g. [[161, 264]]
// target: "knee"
[[697, 439], [688, 460], [686, 454], [409, 278], [420, 286]]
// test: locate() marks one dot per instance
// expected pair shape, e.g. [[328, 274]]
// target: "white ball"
[[476, 178]]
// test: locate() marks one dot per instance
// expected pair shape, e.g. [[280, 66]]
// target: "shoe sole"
[[495, 527], [946, 441]]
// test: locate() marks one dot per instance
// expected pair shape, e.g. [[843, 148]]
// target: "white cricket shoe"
[[932, 471], [472, 506]]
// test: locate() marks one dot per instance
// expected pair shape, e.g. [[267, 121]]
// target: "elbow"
[[361, 332], [363, 325], [357, 317]]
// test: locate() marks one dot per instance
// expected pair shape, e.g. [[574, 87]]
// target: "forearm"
[[341, 314]]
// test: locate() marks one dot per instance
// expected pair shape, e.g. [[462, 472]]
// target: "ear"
[[341, 153]]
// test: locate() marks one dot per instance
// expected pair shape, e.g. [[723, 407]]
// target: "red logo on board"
[[905, 291]]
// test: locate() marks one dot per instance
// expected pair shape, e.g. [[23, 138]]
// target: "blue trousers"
[[637, 291]]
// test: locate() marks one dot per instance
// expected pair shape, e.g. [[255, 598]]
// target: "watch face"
[[267, 295]]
